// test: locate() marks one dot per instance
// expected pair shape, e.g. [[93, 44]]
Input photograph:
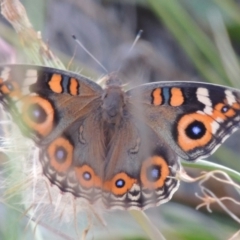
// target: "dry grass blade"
[[208, 196], [31, 41]]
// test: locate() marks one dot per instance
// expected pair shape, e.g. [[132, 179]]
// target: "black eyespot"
[[60, 154], [120, 183], [87, 176], [195, 130], [153, 173], [36, 113], [225, 109]]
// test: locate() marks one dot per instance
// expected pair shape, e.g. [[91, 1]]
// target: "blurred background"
[[182, 40]]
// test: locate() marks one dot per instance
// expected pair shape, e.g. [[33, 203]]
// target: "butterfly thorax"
[[113, 103], [113, 108]]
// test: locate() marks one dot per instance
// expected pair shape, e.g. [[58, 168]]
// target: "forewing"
[[193, 118], [45, 101]]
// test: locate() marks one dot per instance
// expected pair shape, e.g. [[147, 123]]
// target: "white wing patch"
[[230, 97], [215, 126], [31, 78], [203, 97], [5, 73]]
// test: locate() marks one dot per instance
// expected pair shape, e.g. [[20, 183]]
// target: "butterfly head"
[[113, 79]]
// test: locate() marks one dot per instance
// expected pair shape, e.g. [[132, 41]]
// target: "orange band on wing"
[[177, 98], [55, 83], [157, 98], [73, 87], [160, 166]]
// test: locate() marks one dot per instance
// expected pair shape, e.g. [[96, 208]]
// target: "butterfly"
[[105, 144]]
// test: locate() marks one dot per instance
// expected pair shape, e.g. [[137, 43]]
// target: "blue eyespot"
[[224, 109], [36, 113], [153, 173], [87, 176], [120, 183], [195, 130], [60, 154]]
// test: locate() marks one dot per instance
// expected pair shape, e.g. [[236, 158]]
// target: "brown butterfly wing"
[[74, 161], [136, 170], [45, 101], [193, 118], [140, 170], [47, 104], [133, 168]]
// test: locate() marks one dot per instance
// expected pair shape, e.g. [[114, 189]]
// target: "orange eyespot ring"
[[194, 130], [223, 111], [10, 88], [60, 153], [120, 184], [154, 172], [7, 87], [87, 177], [38, 114]]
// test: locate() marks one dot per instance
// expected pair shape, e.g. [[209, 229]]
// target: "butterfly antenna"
[[136, 39], [95, 59], [72, 58], [133, 45]]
